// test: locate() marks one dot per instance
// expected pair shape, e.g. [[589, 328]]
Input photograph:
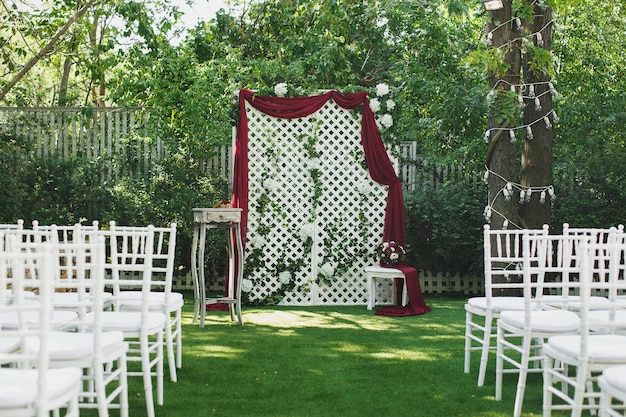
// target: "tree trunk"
[[537, 154], [517, 207], [502, 153]]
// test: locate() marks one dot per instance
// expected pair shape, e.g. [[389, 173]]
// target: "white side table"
[[217, 218], [375, 272]]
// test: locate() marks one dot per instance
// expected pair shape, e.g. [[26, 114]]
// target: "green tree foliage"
[[590, 143]]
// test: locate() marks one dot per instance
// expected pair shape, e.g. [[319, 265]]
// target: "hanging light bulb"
[[520, 99], [531, 91], [555, 118], [551, 192], [505, 224], [512, 136], [529, 133], [537, 104], [489, 39], [539, 39], [486, 177], [542, 197], [522, 196], [518, 23], [487, 213], [487, 135], [547, 122], [493, 4]]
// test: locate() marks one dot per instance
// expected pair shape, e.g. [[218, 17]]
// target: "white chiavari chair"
[[503, 291], [598, 345], [28, 386], [521, 334], [129, 264], [162, 298]]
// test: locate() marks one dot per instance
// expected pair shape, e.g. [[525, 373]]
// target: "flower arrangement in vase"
[[390, 253]]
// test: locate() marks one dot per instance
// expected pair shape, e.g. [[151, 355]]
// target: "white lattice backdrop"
[[283, 205]]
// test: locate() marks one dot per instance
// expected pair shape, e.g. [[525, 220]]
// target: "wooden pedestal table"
[[217, 218]]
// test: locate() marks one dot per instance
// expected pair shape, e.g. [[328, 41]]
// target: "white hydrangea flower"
[[258, 241], [306, 230], [246, 285], [375, 105], [382, 89], [390, 104], [284, 277], [363, 187], [313, 163], [386, 120], [280, 89], [327, 269], [271, 184]]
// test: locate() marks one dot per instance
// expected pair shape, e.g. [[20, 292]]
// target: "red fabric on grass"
[[416, 304]]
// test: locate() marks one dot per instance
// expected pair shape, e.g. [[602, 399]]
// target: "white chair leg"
[[146, 370], [169, 341], [468, 341], [159, 368], [499, 364], [521, 380], [122, 365], [484, 355], [179, 339], [548, 363]]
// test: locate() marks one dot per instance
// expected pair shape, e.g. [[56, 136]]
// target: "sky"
[[202, 10]]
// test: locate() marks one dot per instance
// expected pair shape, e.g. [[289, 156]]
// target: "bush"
[[444, 228]]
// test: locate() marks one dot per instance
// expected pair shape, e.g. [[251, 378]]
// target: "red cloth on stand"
[[416, 304], [378, 163]]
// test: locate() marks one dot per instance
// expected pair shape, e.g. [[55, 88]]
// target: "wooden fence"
[[122, 135]]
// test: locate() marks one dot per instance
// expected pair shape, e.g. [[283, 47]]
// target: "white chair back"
[[503, 260]]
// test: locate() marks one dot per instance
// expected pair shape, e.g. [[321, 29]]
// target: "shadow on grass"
[[332, 361]]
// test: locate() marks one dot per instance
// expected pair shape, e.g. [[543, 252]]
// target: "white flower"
[[284, 277], [313, 163], [246, 285], [280, 89], [394, 256], [327, 269], [306, 230], [258, 241], [390, 104], [375, 105], [382, 89], [271, 184], [363, 187], [386, 120]]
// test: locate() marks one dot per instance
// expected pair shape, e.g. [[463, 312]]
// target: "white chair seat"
[[9, 344], [552, 321], [19, 385], [69, 300], [615, 377], [603, 315], [63, 346], [601, 348], [498, 304], [131, 300], [9, 320], [572, 302], [131, 322]]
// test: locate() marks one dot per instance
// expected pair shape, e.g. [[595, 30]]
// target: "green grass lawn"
[[332, 361]]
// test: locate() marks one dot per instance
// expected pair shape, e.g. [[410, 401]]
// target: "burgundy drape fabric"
[[378, 163]]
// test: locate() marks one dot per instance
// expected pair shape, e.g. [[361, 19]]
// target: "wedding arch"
[[318, 192]]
